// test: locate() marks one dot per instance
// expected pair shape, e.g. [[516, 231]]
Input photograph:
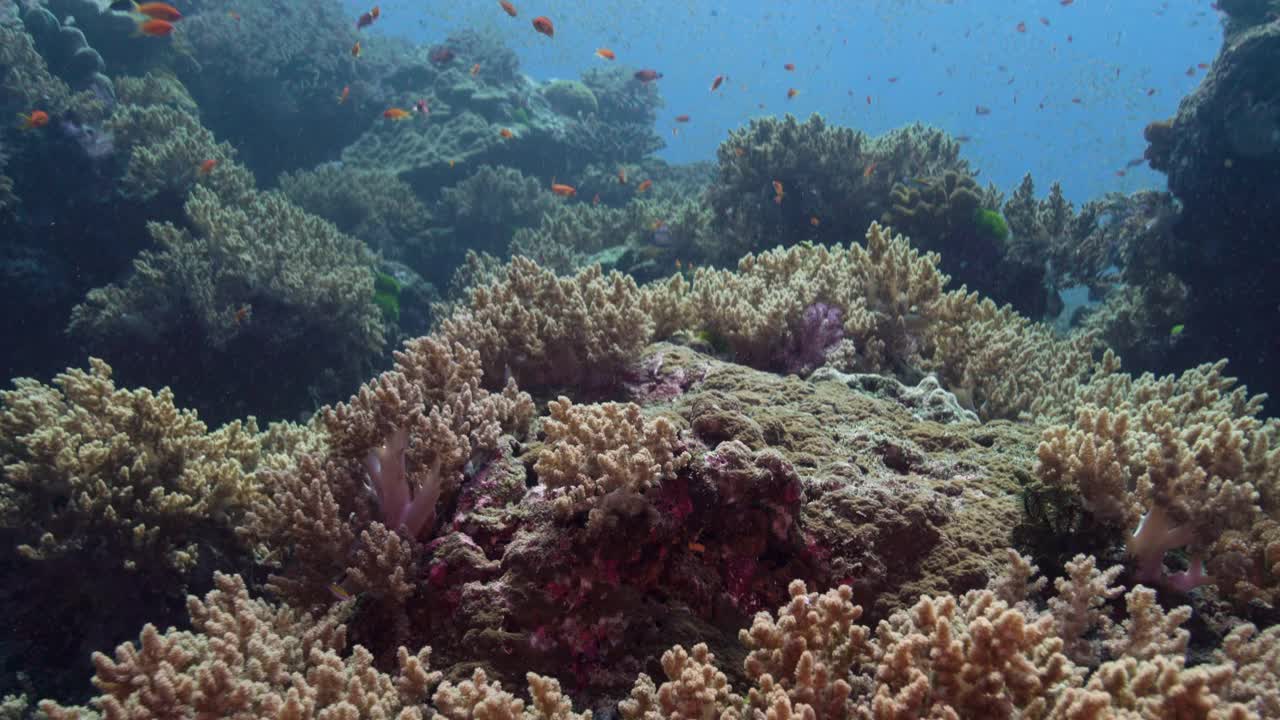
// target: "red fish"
[[542, 24], [346, 93], [644, 186], [155, 10], [506, 134], [1022, 27], [1065, 3], [682, 118], [441, 55], [475, 69], [789, 67], [508, 7], [355, 50], [715, 84], [647, 75], [37, 119], [1044, 21], [155, 28], [1151, 91], [207, 166], [366, 19], [792, 92], [421, 107], [396, 114]]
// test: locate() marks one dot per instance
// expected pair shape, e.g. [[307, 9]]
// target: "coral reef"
[[115, 503], [248, 284], [834, 180], [952, 216], [1177, 463], [375, 207], [1220, 152]]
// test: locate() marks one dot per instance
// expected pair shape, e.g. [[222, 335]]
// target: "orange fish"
[[814, 221], [506, 134], [155, 10], [870, 169], [606, 53], [789, 67], [242, 314], [355, 49], [739, 151], [154, 28], [778, 194], [792, 92], [682, 118], [475, 69], [622, 176], [452, 163], [346, 93], [644, 186], [715, 84], [37, 119], [508, 7], [542, 24], [396, 114], [563, 190], [207, 166]]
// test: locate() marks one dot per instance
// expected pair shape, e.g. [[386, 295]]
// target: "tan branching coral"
[[245, 659], [88, 463], [594, 450], [168, 149], [294, 270], [433, 399], [582, 330], [1177, 462]]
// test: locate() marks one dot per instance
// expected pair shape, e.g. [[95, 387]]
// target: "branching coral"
[[1177, 462], [112, 500], [376, 207], [543, 330], [407, 435], [596, 450], [255, 272], [832, 174], [167, 148]]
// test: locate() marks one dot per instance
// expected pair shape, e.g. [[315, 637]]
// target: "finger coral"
[[112, 500], [543, 330], [1176, 462]]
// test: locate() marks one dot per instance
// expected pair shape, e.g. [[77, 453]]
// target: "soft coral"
[[390, 484]]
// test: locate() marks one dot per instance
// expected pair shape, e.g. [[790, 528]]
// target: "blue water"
[[1125, 62]]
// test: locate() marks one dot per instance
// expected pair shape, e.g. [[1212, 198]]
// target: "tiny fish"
[[507, 7], [606, 54], [715, 84], [644, 186], [207, 167], [34, 120], [1176, 330], [792, 92], [982, 110], [542, 24]]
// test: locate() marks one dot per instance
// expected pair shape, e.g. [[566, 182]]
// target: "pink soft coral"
[[390, 485]]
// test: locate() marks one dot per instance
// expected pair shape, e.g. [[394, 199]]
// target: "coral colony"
[[479, 409]]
